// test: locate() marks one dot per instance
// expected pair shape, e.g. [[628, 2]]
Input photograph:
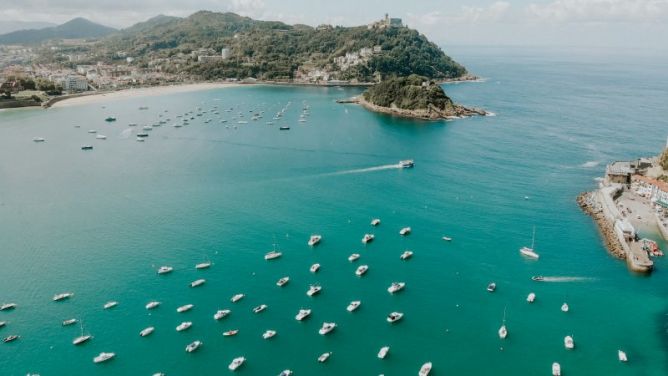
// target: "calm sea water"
[[99, 223]]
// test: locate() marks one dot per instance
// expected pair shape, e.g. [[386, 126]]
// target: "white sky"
[[617, 23]]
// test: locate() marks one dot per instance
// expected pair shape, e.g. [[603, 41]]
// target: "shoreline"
[[149, 91], [431, 114]]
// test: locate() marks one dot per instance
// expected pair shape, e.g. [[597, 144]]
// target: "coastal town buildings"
[[74, 83]]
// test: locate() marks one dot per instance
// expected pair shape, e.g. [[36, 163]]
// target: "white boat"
[[272, 255], [531, 297], [406, 255], [268, 334], [353, 257], [285, 372], [564, 307], [622, 356], [406, 163], [327, 327], [7, 306], [185, 308], [92, 131], [236, 363], [165, 269], [503, 331], [221, 313], [193, 346], [529, 251], [81, 339], [405, 231], [324, 356], [147, 128], [394, 317], [146, 332], [569, 343], [314, 268], [110, 304], [383, 352], [396, 286], [259, 308], [237, 297], [63, 296], [65, 322], [375, 222], [302, 314], [203, 265], [361, 270], [425, 369], [152, 304], [491, 287], [184, 326], [103, 357], [447, 238], [281, 282], [353, 305], [367, 238], [231, 333], [198, 282], [101, 137], [556, 369], [11, 338], [3, 323], [313, 290], [38, 139], [314, 239]]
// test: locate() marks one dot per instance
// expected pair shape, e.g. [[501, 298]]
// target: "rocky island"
[[413, 96]]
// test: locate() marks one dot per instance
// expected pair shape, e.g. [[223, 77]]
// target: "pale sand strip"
[[141, 92]]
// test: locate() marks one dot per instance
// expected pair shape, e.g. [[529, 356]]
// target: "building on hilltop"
[[385, 23]]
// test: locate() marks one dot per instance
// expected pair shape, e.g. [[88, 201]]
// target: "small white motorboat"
[[565, 307], [353, 305], [152, 305], [147, 332], [198, 282], [221, 313], [314, 268], [203, 265], [283, 281], [103, 357], [406, 163], [302, 314], [405, 231], [622, 356], [184, 326], [272, 255], [327, 327], [394, 317], [368, 238], [110, 304], [285, 372], [231, 333], [491, 287], [185, 308], [396, 286], [324, 356], [65, 322], [375, 222], [314, 240], [236, 363], [383, 352], [192, 347], [353, 257], [260, 308], [531, 297], [406, 255], [425, 369], [237, 297], [165, 269], [361, 270], [268, 334], [503, 332], [313, 290], [569, 343], [556, 369], [62, 296]]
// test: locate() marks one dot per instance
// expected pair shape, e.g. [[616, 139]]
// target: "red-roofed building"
[[659, 189]]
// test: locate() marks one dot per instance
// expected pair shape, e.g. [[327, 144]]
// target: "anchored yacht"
[[184, 326], [353, 257], [146, 332], [259, 308], [425, 369], [268, 334], [324, 356], [198, 282], [103, 357], [396, 286], [531, 297], [314, 240], [221, 313], [406, 255], [63, 296], [556, 369], [302, 314], [110, 304], [405, 231], [383, 352], [281, 282], [185, 308], [394, 317], [327, 327], [313, 290], [314, 268], [375, 222], [361, 270], [236, 363], [152, 305], [165, 269], [193, 346], [367, 238], [237, 297], [272, 255], [353, 305], [203, 265], [569, 343]]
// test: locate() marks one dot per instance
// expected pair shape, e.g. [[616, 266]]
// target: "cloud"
[[495, 12], [596, 11], [249, 8]]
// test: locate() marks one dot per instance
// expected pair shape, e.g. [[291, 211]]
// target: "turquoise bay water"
[[99, 224]]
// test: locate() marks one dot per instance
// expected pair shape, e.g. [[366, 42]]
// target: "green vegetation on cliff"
[[409, 93], [274, 50]]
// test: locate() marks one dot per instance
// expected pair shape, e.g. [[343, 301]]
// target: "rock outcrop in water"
[[415, 97]]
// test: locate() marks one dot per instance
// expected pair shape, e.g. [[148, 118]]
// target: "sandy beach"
[[140, 92]]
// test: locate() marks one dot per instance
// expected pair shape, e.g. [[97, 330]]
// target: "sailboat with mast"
[[82, 338], [503, 331], [529, 251]]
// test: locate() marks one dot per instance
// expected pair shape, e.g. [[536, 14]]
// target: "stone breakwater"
[[591, 207]]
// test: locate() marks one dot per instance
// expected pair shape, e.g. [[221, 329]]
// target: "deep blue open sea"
[[99, 223]]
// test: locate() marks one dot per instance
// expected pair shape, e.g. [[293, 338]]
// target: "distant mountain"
[[9, 26], [73, 29]]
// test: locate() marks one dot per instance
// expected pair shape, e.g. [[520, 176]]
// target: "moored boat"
[[165, 269], [531, 297], [147, 332], [367, 238], [375, 222], [193, 346], [62, 296], [103, 357], [67, 322], [185, 308], [353, 305], [425, 369], [268, 334], [272, 255], [405, 231], [231, 333], [237, 297], [565, 307], [283, 281], [327, 327], [184, 326], [236, 363], [529, 251], [314, 268], [406, 255], [259, 308], [383, 352], [314, 240], [556, 369], [313, 290], [11, 338], [569, 343], [221, 313], [198, 282], [621, 355], [7, 306], [353, 257], [203, 265], [491, 287], [324, 356], [152, 304], [396, 286], [394, 317], [302, 314], [110, 304], [361, 270]]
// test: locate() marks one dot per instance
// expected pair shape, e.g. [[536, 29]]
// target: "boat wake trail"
[[363, 170], [567, 279]]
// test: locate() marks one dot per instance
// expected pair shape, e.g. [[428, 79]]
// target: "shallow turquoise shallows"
[[99, 223]]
